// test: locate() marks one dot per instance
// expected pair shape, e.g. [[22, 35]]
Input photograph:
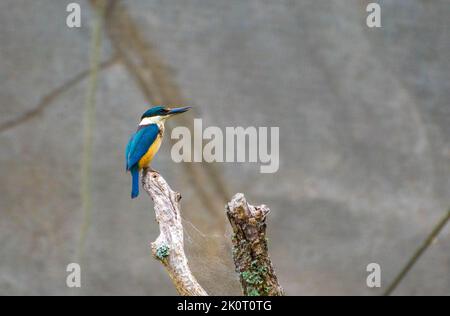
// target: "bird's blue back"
[[139, 144]]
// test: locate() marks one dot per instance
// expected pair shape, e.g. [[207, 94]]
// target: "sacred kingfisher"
[[145, 142]]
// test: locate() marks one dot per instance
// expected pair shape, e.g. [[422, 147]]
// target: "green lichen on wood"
[[253, 292], [250, 250], [255, 279], [162, 252], [255, 271]]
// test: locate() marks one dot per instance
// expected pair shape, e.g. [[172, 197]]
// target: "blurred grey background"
[[364, 120]]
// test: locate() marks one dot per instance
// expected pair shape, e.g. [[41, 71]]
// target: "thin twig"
[[419, 252]]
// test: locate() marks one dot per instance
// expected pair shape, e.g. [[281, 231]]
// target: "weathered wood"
[[168, 248], [250, 251]]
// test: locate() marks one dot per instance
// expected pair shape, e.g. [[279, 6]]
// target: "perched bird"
[[145, 142]]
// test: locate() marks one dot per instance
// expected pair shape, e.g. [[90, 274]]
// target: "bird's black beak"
[[178, 110]]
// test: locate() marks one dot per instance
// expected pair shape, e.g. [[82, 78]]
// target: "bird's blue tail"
[[135, 184]]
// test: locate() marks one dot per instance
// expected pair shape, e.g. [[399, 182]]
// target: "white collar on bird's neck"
[[153, 120], [158, 120]]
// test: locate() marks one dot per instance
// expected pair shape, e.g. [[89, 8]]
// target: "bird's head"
[[159, 114]]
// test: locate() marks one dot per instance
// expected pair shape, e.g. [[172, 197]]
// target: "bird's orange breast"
[[151, 152]]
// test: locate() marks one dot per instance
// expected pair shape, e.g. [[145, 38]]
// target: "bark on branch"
[[168, 248], [250, 251]]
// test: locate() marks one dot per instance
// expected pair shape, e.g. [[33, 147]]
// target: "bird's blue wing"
[[127, 150], [139, 144]]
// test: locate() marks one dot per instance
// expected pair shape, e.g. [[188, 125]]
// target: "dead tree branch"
[[168, 248], [250, 251]]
